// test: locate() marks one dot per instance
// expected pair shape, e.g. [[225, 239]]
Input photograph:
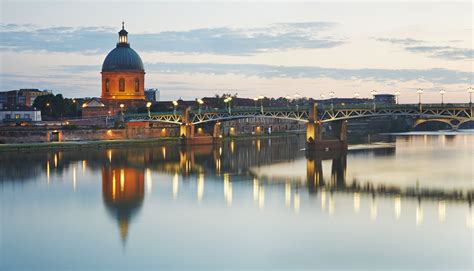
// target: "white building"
[[20, 115]]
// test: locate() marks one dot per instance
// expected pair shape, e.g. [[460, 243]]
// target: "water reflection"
[[258, 167], [123, 193]]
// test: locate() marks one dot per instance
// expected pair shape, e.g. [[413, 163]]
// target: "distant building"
[[21, 97], [385, 98], [19, 114], [152, 95], [94, 107]]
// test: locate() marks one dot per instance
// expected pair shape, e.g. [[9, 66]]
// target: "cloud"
[[443, 52], [405, 41], [435, 75], [223, 40]]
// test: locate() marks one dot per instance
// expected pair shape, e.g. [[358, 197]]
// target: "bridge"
[[313, 115]]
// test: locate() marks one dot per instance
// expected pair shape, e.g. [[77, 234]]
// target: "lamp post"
[[200, 103], [419, 91], [442, 92], [397, 93], [227, 101], [121, 109], [255, 100], [261, 102], [470, 90], [373, 93], [297, 98], [148, 105], [175, 104], [288, 98], [332, 95]]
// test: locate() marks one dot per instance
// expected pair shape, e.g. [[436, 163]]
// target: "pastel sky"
[[195, 49]]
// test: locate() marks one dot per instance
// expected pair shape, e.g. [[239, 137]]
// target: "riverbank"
[[85, 144], [117, 143]]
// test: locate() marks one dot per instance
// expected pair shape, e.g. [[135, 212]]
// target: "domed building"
[[123, 75], [123, 80]]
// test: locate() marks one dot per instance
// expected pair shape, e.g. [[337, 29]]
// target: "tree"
[[54, 107]]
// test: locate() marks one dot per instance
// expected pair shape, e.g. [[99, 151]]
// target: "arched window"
[[137, 85], [106, 85], [122, 84]]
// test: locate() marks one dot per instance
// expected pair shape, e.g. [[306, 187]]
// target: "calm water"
[[252, 204]]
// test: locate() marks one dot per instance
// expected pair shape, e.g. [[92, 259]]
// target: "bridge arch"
[[451, 123], [462, 124]]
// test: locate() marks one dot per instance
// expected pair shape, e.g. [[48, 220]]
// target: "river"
[[245, 204]]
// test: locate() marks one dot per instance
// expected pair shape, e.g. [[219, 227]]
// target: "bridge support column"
[[186, 130], [339, 129], [217, 130], [313, 127]]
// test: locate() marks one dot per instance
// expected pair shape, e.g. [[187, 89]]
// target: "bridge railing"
[[293, 108]]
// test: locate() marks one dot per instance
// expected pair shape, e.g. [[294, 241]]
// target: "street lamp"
[[419, 91], [175, 104], [200, 103], [397, 93], [255, 101], [261, 102], [374, 92], [356, 95], [297, 99], [442, 92], [121, 108], [228, 100], [470, 90], [288, 98], [148, 105], [332, 95]]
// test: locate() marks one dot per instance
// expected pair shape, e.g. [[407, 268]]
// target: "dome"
[[122, 58]]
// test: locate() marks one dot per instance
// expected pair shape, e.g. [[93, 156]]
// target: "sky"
[[194, 49]]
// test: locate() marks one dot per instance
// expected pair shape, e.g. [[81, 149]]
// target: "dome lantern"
[[123, 37]]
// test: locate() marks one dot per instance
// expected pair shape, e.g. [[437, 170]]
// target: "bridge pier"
[[189, 137], [314, 131]]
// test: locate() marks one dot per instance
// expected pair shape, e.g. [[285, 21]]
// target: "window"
[[137, 85], [106, 85], [17, 116], [8, 116], [26, 116], [121, 84]]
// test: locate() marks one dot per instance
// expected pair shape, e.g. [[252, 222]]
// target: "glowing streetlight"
[[470, 90], [442, 92], [419, 91], [373, 93], [261, 102], [397, 93], [175, 104], [200, 103], [288, 98], [255, 101], [227, 101], [121, 108], [148, 105], [297, 98], [332, 95]]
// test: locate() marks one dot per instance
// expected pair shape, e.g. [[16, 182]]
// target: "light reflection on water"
[[265, 202]]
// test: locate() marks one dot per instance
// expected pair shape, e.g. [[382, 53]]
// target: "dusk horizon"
[[287, 50]]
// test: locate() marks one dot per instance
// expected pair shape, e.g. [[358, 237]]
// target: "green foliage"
[[54, 107]]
